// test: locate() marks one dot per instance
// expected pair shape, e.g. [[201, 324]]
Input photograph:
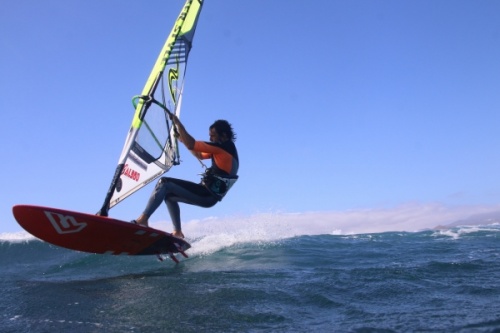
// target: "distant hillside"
[[478, 219]]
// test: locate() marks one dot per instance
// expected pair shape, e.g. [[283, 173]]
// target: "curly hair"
[[224, 127]]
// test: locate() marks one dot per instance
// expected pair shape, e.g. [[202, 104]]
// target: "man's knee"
[[163, 180], [165, 184], [161, 185]]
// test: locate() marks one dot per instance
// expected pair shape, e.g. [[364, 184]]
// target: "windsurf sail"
[[150, 147]]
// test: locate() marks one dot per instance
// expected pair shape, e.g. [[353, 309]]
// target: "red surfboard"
[[96, 234]]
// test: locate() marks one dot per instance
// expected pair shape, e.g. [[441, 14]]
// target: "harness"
[[216, 180], [217, 184]]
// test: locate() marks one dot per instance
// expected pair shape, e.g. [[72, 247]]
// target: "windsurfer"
[[216, 182]]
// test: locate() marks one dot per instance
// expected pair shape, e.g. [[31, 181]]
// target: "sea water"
[[445, 280]]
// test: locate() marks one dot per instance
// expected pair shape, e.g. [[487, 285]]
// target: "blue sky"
[[338, 105]]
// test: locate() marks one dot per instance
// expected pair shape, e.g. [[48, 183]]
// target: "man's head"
[[221, 131]]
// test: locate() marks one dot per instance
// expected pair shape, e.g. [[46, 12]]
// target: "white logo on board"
[[64, 224]]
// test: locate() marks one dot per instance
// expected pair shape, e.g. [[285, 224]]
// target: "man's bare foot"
[[142, 220], [178, 234]]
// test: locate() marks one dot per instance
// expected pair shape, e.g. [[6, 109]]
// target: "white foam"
[[213, 234], [457, 232], [21, 236]]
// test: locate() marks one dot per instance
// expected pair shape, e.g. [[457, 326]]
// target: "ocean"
[[445, 280]]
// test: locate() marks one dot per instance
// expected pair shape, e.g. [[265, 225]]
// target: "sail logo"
[[64, 224], [131, 173], [173, 75]]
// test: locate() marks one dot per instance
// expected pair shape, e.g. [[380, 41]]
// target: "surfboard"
[[96, 234]]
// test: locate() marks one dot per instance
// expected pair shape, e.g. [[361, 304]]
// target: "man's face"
[[214, 136]]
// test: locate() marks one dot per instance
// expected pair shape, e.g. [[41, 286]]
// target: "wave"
[[34, 260], [208, 243], [239, 266], [213, 234], [218, 243], [276, 225], [13, 237]]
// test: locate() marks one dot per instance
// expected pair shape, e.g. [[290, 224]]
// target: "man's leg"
[[178, 190], [156, 198]]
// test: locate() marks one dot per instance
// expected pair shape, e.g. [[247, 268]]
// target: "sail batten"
[[150, 147]]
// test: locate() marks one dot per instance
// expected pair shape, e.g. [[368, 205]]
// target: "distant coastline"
[[478, 219]]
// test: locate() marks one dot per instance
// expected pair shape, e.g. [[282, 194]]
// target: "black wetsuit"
[[225, 165]]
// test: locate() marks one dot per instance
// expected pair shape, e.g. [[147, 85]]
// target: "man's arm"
[[197, 154], [184, 136]]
